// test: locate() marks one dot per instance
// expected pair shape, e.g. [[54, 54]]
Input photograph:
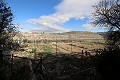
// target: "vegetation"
[[7, 29], [107, 14], [47, 49], [34, 50], [107, 61], [102, 64], [7, 32]]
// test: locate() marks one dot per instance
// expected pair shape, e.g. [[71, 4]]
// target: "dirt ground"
[[28, 49]]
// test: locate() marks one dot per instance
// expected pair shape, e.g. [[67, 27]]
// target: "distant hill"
[[64, 36], [101, 33], [78, 32]]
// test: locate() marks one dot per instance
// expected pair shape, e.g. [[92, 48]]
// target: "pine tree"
[[7, 29]]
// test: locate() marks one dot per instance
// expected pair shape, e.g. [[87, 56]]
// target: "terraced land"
[[63, 43]]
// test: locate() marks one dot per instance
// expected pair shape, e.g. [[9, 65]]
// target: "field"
[[64, 43], [55, 56]]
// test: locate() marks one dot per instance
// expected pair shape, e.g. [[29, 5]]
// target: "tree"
[[7, 29], [107, 14], [107, 61]]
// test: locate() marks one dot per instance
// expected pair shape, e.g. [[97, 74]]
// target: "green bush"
[[47, 49], [34, 50]]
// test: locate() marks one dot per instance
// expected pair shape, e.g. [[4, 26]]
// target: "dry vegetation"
[[46, 56], [65, 43]]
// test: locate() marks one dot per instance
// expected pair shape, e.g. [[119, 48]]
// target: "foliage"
[[47, 49], [34, 50], [66, 67], [107, 63], [113, 39], [7, 29], [107, 14], [25, 40]]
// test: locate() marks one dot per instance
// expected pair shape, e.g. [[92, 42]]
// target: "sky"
[[53, 15]]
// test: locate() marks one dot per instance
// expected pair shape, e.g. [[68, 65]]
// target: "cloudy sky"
[[53, 15]]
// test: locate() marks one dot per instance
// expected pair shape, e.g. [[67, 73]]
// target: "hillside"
[[68, 42], [62, 36]]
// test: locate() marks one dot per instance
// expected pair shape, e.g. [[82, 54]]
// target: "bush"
[[47, 49], [107, 63], [25, 40], [33, 50]]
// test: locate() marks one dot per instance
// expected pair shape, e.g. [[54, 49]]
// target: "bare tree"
[[107, 14]]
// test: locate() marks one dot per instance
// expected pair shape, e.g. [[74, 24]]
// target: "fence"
[[38, 70]]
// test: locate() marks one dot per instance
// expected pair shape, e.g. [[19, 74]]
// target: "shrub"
[[33, 50], [25, 40], [107, 63]]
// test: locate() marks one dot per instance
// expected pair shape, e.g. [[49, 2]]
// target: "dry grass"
[[68, 42]]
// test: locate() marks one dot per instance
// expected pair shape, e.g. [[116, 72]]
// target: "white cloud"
[[48, 26], [88, 26], [75, 8], [66, 10]]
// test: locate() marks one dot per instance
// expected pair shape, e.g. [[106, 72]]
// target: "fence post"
[[82, 53], [56, 45], [1, 57], [39, 65], [86, 53], [82, 57], [12, 67], [71, 48], [12, 62], [35, 55]]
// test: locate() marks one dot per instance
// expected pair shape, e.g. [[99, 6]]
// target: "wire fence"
[[39, 69]]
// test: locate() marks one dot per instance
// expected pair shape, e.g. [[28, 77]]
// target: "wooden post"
[[35, 49], [82, 60], [35, 55], [82, 53], [1, 57], [56, 44], [71, 47], [71, 41], [12, 62], [39, 65], [12, 66], [86, 53]]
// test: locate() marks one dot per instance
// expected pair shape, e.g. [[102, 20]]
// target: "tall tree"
[[107, 62], [7, 29], [107, 14]]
